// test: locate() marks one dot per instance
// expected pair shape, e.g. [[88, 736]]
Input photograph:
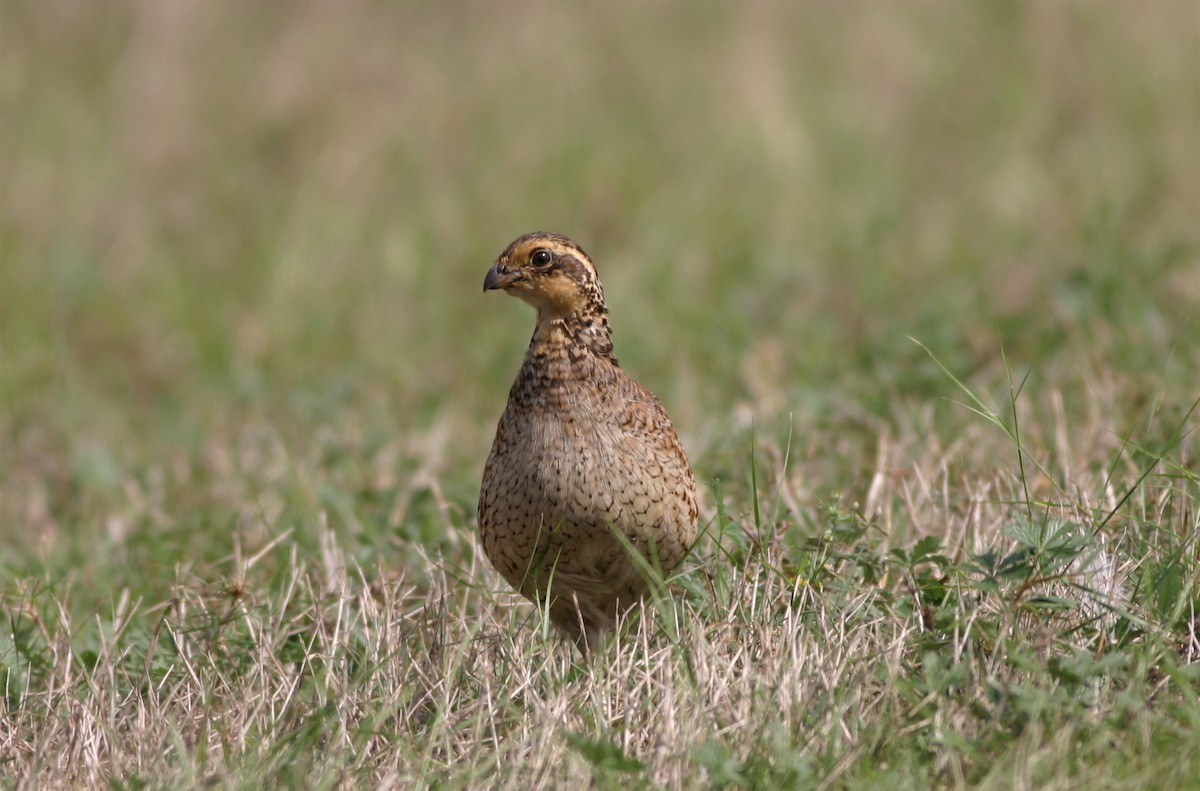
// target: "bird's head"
[[550, 272]]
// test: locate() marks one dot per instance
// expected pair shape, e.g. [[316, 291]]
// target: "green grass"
[[918, 284]]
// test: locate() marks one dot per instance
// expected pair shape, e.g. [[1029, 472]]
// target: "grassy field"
[[918, 283]]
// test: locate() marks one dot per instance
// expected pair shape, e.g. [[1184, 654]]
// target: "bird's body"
[[581, 451]]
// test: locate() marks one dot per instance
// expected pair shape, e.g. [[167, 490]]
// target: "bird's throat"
[[573, 335]]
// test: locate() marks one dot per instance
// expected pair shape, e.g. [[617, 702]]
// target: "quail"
[[582, 453]]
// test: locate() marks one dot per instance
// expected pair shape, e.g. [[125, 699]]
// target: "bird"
[[585, 467]]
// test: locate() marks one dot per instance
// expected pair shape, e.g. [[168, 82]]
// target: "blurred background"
[[243, 243]]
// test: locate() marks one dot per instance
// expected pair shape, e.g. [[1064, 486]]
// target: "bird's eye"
[[541, 257]]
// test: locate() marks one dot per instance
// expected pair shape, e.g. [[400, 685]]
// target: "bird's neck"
[[573, 334]]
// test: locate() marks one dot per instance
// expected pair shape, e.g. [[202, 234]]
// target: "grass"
[[919, 285]]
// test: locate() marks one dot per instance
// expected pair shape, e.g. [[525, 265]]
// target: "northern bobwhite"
[[581, 451]]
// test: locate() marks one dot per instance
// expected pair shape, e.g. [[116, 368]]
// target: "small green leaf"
[[603, 753], [723, 768]]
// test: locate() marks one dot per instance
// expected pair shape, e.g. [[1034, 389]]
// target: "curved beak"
[[500, 276]]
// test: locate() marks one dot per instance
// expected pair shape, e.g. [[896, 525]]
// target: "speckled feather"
[[581, 449]]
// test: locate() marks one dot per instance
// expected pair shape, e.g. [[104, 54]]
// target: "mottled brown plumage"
[[582, 450]]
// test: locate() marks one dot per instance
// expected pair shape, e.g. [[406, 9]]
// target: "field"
[[919, 285]]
